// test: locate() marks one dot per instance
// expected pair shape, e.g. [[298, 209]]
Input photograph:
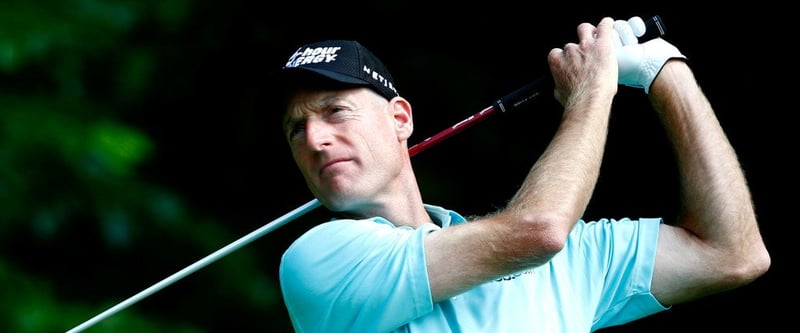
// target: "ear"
[[404, 122]]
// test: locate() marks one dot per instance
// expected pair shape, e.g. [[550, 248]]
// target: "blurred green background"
[[137, 137]]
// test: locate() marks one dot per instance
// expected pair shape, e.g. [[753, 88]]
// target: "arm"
[[534, 225], [715, 244]]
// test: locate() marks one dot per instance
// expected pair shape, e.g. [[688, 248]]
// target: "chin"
[[335, 203], [342, 203]]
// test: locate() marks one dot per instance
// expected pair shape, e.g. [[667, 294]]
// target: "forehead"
[[304, 102]]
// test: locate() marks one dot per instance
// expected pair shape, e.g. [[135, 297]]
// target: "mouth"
[[332, 165]]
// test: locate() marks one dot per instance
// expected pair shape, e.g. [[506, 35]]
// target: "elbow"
[[751, 259], [746, 268], [756, 265], [748, 254], [761, 261], [542, 236]]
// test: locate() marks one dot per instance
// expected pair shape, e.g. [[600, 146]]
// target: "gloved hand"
[[639, 64]]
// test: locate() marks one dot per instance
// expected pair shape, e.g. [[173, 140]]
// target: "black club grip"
[[654, 28]]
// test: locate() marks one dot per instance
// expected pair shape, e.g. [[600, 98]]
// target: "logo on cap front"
[[313, 56]]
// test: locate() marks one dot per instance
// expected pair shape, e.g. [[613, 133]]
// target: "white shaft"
[[200, 263]]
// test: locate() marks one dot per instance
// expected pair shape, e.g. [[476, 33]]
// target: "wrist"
[[674, 72]]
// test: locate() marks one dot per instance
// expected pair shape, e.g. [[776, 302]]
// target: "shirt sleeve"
[[625, 268], [356, 276]]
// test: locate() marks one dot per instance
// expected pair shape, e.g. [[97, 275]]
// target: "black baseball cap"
[[342, 61]]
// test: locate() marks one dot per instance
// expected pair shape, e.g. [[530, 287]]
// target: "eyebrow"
[[331, 97]]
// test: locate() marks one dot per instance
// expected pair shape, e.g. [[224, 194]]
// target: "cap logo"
[[378, 77], [313, 56]]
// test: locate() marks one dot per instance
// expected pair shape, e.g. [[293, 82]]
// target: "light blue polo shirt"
[[370, 276]]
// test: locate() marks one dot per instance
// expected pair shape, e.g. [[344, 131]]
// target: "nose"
[[318, 134]]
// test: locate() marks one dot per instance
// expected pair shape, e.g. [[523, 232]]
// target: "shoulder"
[[329, 233], [348, 238]]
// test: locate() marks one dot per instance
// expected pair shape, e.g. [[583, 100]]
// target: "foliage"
[[78, 220]]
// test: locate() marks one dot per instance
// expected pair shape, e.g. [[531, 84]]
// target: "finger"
[[626, 35], [637, 26], [586, 31], [615, 38], [555, 53], [604, 27]]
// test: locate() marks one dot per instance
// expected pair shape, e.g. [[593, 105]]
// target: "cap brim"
[[293, 79], [335, 76], [306, 74]]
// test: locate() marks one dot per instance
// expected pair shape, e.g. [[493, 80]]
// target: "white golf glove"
[[639, 64]]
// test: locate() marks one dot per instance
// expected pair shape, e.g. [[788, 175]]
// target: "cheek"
[[300, 160], [386, 153], [385, 130]]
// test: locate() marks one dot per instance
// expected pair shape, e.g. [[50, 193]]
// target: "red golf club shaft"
[[507, 103]]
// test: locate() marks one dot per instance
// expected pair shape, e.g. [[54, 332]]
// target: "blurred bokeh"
[[138, 136]]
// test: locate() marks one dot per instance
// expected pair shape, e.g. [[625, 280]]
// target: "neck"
[[401, 203]]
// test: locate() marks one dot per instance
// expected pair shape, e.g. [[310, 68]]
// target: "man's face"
[[346, 144]]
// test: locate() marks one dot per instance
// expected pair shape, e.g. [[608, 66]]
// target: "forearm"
[[562, 180], [717, 206], [558, 186]]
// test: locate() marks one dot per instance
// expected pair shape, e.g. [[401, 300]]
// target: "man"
[[392, 263]]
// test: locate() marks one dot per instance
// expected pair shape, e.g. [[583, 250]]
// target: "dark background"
[[137, 137]]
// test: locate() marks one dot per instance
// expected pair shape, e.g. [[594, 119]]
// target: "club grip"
[[654, 28]]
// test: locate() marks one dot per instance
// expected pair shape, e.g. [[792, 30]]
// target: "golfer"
[[392, 262]]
